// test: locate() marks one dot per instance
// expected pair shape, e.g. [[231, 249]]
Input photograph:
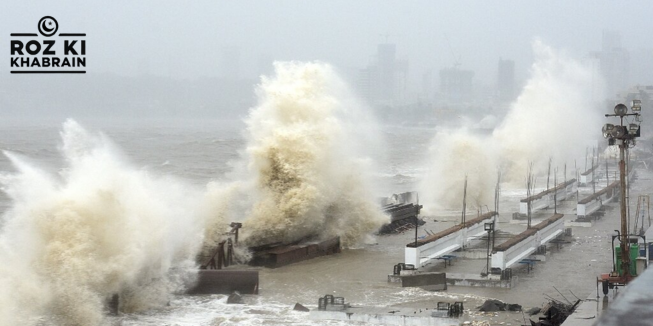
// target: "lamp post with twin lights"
[[623, 136]]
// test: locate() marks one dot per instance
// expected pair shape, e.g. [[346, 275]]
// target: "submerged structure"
[[278, 255]]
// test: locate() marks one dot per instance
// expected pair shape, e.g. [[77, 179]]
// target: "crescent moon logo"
[[45, 28], [48, 26]]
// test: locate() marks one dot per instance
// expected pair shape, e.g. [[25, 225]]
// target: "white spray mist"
[[101, 228], [304, 171], [459, 153], [554, 116]]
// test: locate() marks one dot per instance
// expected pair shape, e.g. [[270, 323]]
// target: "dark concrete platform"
[[279, 255], [225, 281], [432, 281], [475, 280]]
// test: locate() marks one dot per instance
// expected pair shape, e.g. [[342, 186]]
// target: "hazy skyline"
[[191, 41], [187, 39]]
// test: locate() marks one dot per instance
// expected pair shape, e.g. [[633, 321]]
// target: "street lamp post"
[[489, 227], [624, 137]]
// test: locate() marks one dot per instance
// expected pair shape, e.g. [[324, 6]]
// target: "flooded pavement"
[[568, 274]]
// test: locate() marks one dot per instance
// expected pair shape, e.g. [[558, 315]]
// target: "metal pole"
[[607, 176], [548, 174], [497, 197], [627, 156], [464, 203], [487, 255], [494, 223], [593, 178], [416, 224], [625, 252], [529, 187], [576, 169], [586, 150], [555, 191]]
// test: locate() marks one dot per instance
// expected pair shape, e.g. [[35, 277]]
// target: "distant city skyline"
[[392, 53], [186, 40]]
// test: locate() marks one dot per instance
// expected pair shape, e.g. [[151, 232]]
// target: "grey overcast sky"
[[186, 38]]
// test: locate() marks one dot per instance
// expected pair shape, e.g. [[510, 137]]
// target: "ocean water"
[[202, 152], [197, 154]]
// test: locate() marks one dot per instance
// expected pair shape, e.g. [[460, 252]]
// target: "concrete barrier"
[[474, 280], [551, 229], [385, 316], [444, 242], [520, 248], [435, 281], [546, 198], [586, 177], [274, 256], [592, 203], [225, 281], [526, 243]]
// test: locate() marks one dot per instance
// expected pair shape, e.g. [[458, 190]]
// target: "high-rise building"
[[386, 63], [506, 80], [367, 83], [384, 81], [614, 63], [456, 85]]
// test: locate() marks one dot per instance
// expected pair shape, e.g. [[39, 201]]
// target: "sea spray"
[[459, 154], [304, 172], [554, 116], [101, 227]]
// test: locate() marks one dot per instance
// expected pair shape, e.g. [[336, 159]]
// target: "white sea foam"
[[101, 227], [305, 169], [553, 117], [460, 154]]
